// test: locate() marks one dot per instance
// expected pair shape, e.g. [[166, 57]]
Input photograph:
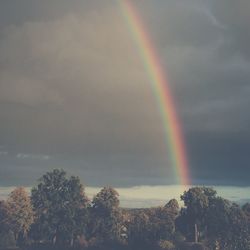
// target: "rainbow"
[[160, 87]]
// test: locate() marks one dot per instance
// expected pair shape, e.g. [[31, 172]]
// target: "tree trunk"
[[55, 238], [195, 233], [72, 241]]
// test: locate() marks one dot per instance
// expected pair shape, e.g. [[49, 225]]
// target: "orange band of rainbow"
[[160, 87]]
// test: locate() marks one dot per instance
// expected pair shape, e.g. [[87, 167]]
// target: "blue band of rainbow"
[[160, 87]]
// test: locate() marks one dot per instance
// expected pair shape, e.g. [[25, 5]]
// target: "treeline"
[[58, 214]]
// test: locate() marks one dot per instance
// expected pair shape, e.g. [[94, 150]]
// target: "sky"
[[152, 196], [74, 93]]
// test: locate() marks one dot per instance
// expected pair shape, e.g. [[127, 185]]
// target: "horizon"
[[154, 196]]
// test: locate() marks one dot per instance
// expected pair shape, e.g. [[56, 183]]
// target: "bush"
[[166, 245]]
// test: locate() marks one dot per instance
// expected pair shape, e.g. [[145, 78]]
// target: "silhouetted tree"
[[197, 201], [59, 212], [106, 224], [232, 228], [61, 207]]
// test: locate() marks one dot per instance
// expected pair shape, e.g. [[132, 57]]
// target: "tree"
[[106, 200], [7, 239], [148, 227], [238, 236], [226, 225], [106, 224], [246, 210], [161, 224], [3, 217], [197, 201], [138, 229], [61, 207], [218, 221], [173, 208], [20, 212]]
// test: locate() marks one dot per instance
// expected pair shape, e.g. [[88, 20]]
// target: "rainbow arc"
[[161, 89]]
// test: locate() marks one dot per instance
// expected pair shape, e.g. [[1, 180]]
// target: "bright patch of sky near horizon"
[[149, 196]]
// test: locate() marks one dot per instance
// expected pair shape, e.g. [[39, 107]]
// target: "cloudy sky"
[[74, 93]]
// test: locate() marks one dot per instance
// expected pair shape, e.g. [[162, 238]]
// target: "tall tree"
[[61, 206], [196, 201], [107, 224], [161, 224], [138, 229], [20, 212], [147, 227], [227, 225]]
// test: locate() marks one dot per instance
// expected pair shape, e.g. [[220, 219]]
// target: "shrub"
[[166, 245]]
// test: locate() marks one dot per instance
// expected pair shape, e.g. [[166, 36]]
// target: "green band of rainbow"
[[160, 87]]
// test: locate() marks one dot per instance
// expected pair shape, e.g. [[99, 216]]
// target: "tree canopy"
[[20, 212], [58, 214], [61, 206]]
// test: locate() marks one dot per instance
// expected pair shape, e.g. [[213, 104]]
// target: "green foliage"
[[106, 200], [138, 229], [218, 218], [150, 226], [106, 218], [20, 212], [197, 201], [59, 212], [162, 224], [224, 224], [166, 245], [61, 207]]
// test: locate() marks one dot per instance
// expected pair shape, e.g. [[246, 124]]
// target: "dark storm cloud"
[[74, 93]]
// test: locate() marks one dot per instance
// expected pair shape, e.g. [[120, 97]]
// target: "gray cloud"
[[235, 17], [33, 156], [3, 153], [74, 78], [74, 92]]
